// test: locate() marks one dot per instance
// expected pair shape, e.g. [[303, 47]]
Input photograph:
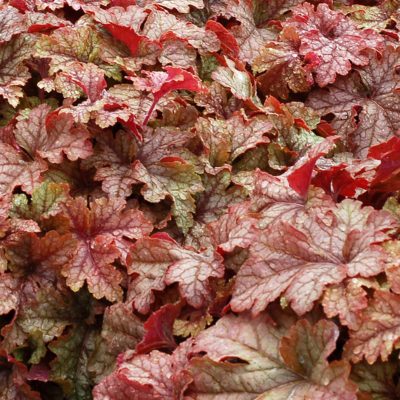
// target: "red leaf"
[[159, 330], [300, 179], [128, 36], [228, 42]]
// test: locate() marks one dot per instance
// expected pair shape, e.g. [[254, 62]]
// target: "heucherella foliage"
[[199, 199]]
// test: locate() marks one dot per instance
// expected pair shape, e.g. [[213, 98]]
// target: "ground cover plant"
[[199, 199]]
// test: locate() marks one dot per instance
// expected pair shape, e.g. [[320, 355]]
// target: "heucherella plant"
[[199, 199]]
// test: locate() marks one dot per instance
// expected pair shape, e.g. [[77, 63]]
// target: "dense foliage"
[[199, 199]]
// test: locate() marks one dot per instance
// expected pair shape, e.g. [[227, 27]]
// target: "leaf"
[[13, 73], [378, 332], [62, 49], [149, 258], [15, 171], [13, 380], [281, 59], [48, 312], [219, 193], [346, 301], [192, 271], [225, 140], [100, 232], [161, 24], [154, 376], [233, 229], [180, 6], [89, 78], [270, 370], [375, 17], [69, 368], [249, 36], [122, 330], [293, 258], [38, 22], [45, 201], [159, 330], [50, 135], [368, 95], [376, 380], [166, 174], [112, 159], [12, 23], [239, 81], [332, 39], [282, 197], [161, 83], [160, 262]]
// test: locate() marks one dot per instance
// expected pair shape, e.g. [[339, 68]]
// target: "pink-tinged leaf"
[[219, 193], [38, 22], [13, 73], [51, 134], [9, 296], [159, 330], [12, 22], [84, 4], [262, 364], [122, 329], [348, 177], [379, 331], [103, 234], [174, 178], [68, 45], [112, 159], [92, 263], [365, 104], [233, 229], [161, 83], [297, 259], [333, 39], [156, 376], [182, 6], [281, 197], [149, 259], [392, 269], [192, 271], [159, 262], [248, 35], [238, 80], [346, 301], [225, 140], [161, 25], [281, 67], [89, 78], [15, 171]]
